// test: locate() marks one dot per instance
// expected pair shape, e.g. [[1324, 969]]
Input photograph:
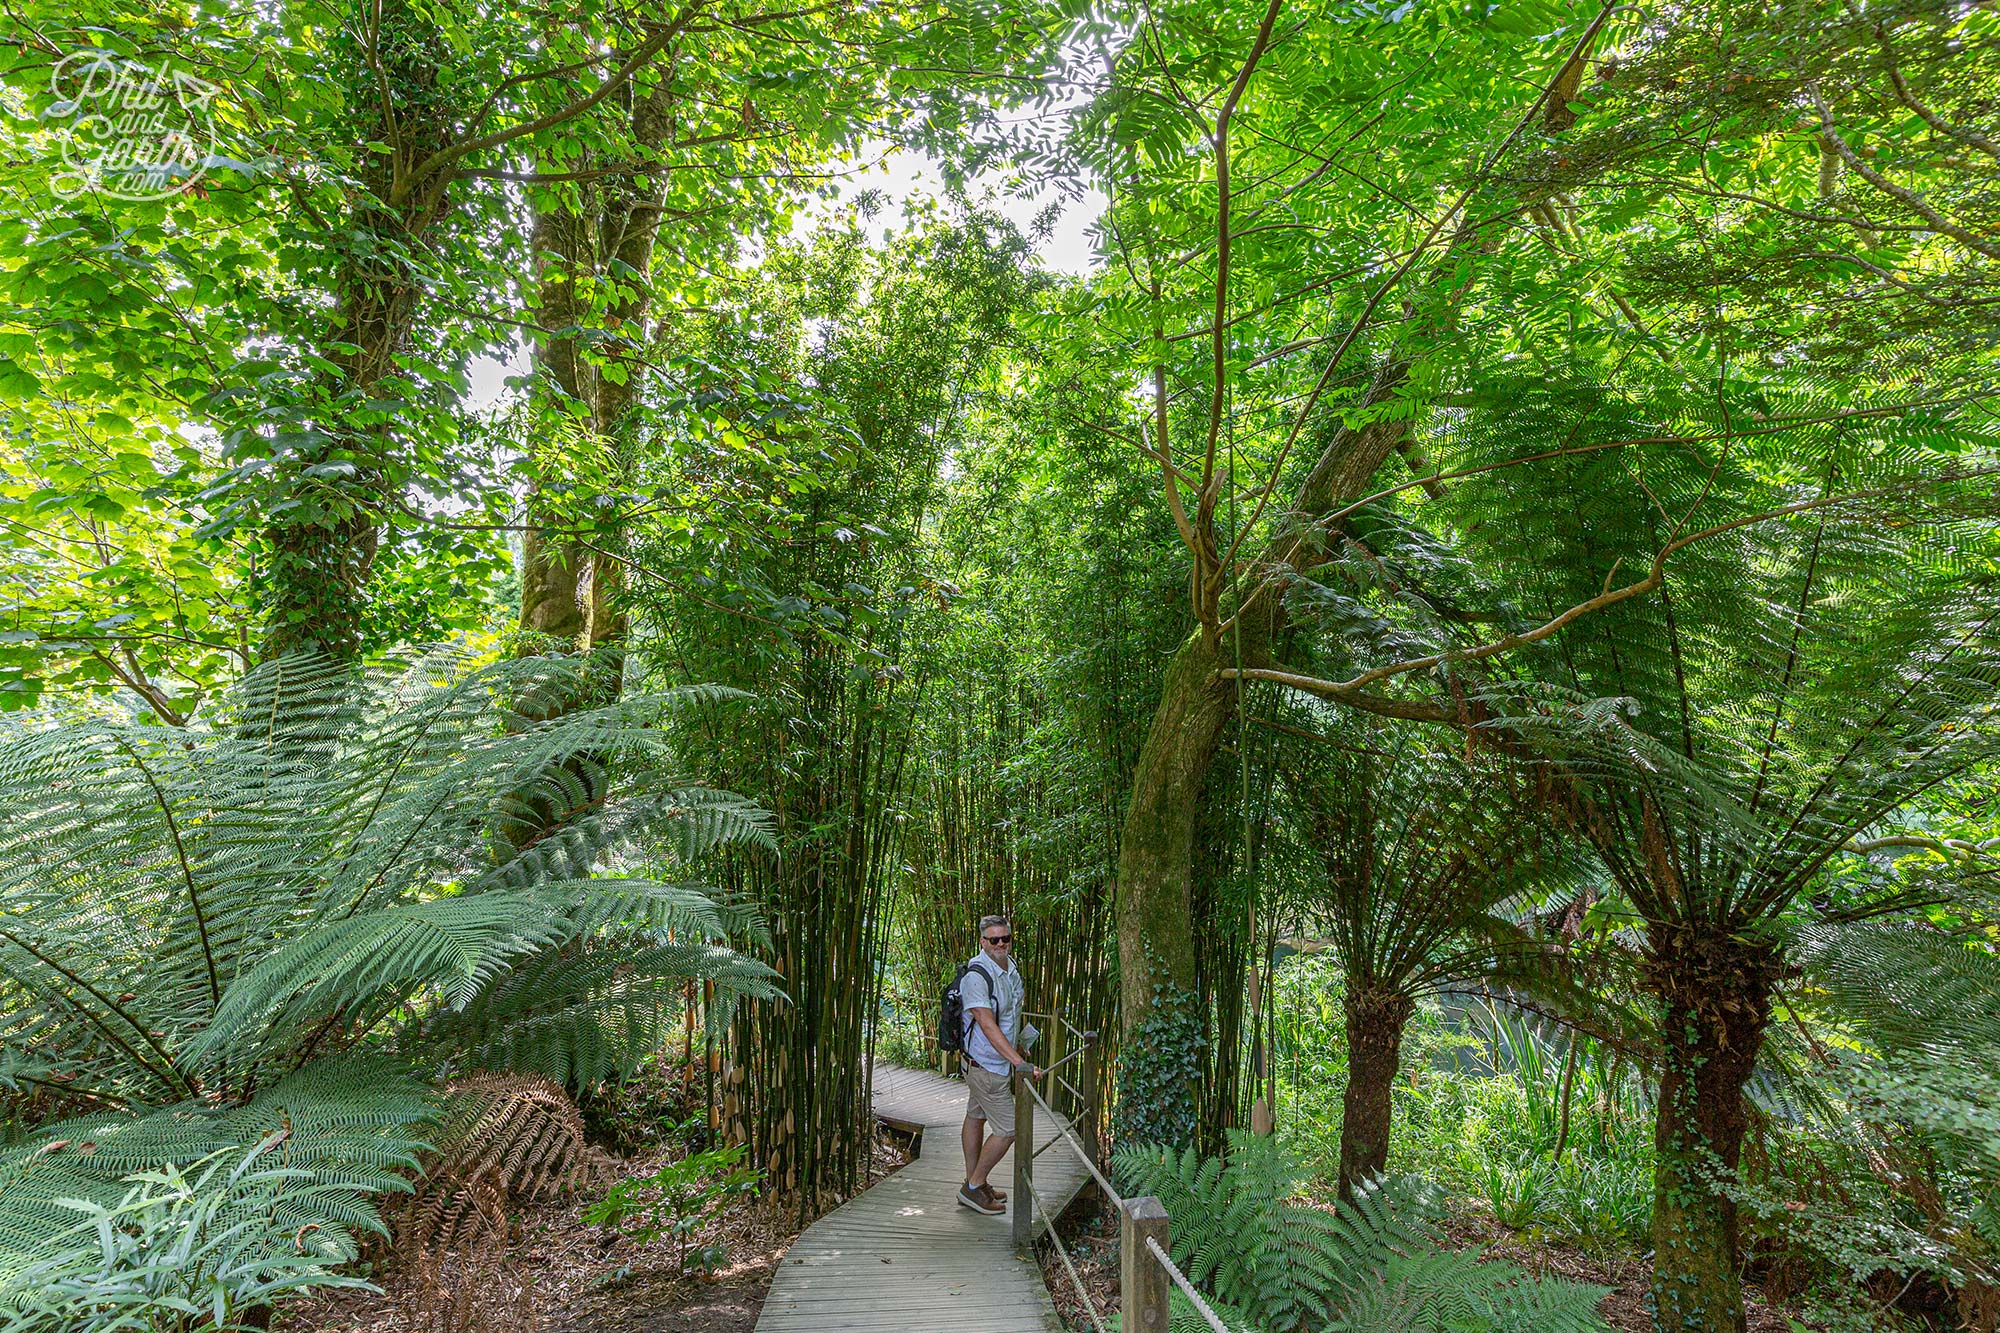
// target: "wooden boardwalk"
[[904, 1257]]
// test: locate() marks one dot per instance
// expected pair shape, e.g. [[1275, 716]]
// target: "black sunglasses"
[[999, 939]]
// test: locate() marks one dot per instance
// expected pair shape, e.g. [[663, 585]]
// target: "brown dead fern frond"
[[521, 1132], [450, 1214], [507, 1139], [472, 1291]]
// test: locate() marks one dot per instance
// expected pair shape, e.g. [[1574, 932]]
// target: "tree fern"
[[1412, 857], [1238, 1228], [344, 1131], [200, 924], [204, 1247], [1814, 650]]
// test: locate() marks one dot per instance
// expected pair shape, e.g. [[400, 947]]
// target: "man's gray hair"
[[986, 921]]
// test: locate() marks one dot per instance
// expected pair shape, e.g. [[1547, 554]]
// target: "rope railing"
[[1187, 1288], [1062, 1253], [1064, 1134], [1147, 1271]]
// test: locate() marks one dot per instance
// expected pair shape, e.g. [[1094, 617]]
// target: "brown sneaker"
[[999, 1195], [980, 1200]]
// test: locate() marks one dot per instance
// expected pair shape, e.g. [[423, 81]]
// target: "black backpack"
[[951, 1010]]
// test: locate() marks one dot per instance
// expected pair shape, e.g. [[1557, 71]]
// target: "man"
[[993, 994]]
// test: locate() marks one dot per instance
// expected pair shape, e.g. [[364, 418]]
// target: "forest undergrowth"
[[557, 1270], [1091, 1235]]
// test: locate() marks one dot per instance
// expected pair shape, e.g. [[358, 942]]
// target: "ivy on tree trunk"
[[1714, 992], [1375, 1022], [322, 517]]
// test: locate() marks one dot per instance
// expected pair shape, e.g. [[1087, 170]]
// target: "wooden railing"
[[1147, 1273]]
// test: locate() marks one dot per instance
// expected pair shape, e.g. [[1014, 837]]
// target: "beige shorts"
[[989, 1098]]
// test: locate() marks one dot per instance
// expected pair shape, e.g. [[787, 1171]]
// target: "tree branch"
[[1929, 116], [1220, 342], [136, 680], [641, 56], [1340, 690], [1915, 202]]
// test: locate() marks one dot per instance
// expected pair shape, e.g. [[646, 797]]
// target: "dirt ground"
[[559, 1274], [1090, 1233], [1627, 1275]]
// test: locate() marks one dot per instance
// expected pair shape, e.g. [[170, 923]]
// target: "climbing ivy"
[[1159, 1071]]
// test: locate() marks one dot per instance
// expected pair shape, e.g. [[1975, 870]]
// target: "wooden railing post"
[[1093, 1104], [1022, 1203], [1142, 1284], [1052, 1055]]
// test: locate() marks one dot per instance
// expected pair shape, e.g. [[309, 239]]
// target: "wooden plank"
[[904, 1257]]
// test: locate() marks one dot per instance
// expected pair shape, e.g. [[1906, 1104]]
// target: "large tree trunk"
[[569, 589], [322, 525], [629, 233], [1155, 851], [1714, 992], [555, 567], [315, 578], [552, 612], [1375, 1022], [1156, 963]]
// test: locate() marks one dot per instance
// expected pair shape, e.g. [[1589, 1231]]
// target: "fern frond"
[[1908, 984], [347, 1131], [204, 1246], [1442, 1291], [637, 906], [591, 1011], [1373, 1263], [506, 1138], [448, 946]]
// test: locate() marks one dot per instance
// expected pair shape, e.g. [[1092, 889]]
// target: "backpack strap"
[[992, 991]]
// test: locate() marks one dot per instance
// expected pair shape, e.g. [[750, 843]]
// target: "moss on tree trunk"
[[1375, 1022], [1715, 1002]]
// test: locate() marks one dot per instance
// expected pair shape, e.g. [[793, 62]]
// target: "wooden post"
[[1022, 1203], [1052, 1054], [1142, 1284], [1093, 1072]]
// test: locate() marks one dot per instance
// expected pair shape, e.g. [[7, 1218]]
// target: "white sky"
[[905, 176], [901, 176]]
